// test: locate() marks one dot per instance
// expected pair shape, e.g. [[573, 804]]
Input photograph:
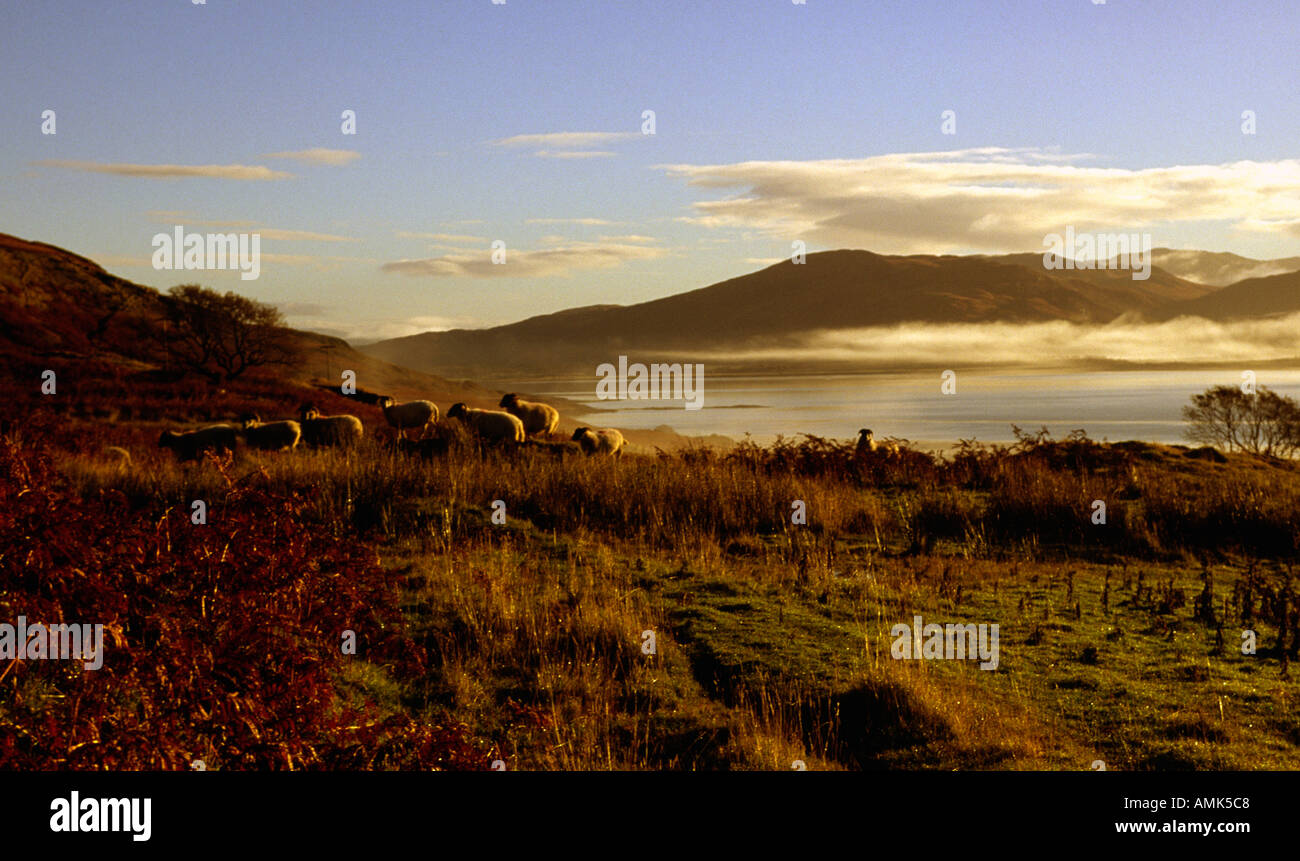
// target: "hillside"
[[1219, 268], [832, 290], [1255, 297], [64, 312]]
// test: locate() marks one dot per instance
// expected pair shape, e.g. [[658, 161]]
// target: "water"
[[1113, 405]]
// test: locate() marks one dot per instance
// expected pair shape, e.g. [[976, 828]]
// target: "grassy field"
[[528, 634]]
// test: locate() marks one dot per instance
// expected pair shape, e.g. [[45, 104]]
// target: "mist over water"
[[1114, 405]]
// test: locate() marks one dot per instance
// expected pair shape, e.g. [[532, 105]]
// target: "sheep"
[[602, 441], [489, 424], [420, 415], [271, 436], [191, 444], [537, 417], [343, 431], [867, 443]]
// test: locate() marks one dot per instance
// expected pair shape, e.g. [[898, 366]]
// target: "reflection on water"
[[1114, 405]]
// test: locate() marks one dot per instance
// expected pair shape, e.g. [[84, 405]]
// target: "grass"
[[772, 638]]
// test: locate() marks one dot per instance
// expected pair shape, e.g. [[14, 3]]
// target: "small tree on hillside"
[[221, 337], [1262, 423]]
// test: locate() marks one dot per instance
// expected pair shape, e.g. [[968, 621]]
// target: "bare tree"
[[1261, 423], [221, 337]]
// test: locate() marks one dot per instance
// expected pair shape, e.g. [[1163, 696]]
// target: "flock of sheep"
[[518, 420]]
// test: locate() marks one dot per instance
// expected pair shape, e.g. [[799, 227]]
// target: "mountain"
[[1273, 296], [831, 290], [1219, 268]]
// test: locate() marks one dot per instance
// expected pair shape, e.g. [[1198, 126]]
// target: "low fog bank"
[[1186, 341]]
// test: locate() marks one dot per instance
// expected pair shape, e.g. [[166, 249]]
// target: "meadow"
[[523, 637]]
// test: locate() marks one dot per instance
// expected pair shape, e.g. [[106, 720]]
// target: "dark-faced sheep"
[[341, 431], [490, 425], [600, 441], [420, 415], [271, 436], [190, 445], [537, 417], [867, 444]]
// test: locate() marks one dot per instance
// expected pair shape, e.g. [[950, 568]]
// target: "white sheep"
[[420, 415], [601, 441], [191, 444], [271, 436], [489, 424], [343, 431], [867, 443], [537, 417]]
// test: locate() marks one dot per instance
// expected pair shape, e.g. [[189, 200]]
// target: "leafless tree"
[[1227, 417], [222, 336]]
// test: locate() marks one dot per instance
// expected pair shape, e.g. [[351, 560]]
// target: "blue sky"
[[774, 122]]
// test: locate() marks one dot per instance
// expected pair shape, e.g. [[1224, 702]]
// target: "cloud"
[[318, 155], [107, 260], [277, 233], [172, 171], [585, 222], [357, 331], [567, 144], [1191, 340], [527, 264], [441, 237], [565, 140], [989, 199], [550, 153], [629, 237]]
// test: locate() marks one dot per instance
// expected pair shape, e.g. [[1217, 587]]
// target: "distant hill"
[[831, 290], [1219, 268], [1273, 296]]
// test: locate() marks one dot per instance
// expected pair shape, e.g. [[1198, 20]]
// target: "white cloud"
[[441, 237], [551, 153], [991, 199], [278, 233], [585, 222], [171, 171], [318, 155], [527, 264], [565, 140]]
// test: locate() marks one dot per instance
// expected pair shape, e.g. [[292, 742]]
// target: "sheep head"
[[509, 400], [457, 410]]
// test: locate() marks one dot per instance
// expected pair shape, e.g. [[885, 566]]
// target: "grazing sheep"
[[342, 431], [420, 415], [867, 443], [602, 441], [271, 436], [537, 417], [191, 444], [489, 424]]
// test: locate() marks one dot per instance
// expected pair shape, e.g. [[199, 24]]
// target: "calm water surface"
[[1114, 405]]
